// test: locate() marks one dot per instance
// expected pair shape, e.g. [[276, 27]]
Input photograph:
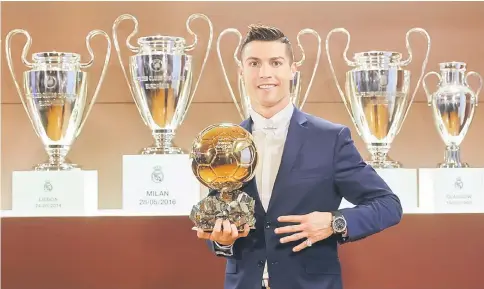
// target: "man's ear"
[[293, 69]]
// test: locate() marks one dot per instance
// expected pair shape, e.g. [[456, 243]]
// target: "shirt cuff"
[[225, 250]]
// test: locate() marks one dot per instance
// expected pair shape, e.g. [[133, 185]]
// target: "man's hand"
[[223, 233], [312, 227]]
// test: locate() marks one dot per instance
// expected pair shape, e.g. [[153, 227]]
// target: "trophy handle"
[[237, 61], [25, 51], [303, 57], [424, 84], [480, 84], [349, 63], [88, 64], [191, 47], [132, 48], [408, 60]]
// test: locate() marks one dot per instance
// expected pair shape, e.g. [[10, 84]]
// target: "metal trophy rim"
[[56, 57], [453, 65]]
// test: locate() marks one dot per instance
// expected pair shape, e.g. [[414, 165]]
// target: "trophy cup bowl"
[[224, 158], [295, 83], [453, 105], [160, 80], [55, 97], [377, 95], [378, 98]]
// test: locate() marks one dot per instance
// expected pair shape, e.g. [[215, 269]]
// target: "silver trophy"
[[160, 80], [55, 96], [377, 95], [244, 106], [453, 105]]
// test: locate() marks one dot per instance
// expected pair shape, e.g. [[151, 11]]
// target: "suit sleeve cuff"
[[352, 233]]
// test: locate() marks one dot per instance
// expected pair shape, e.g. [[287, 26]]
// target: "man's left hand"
[[313, 227]]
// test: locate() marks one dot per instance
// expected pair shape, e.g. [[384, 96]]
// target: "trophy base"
[[452, 165], [452, 158], [162, 151], [387, 164], [163, 144], [237, 207], [56, 167], [379, 158]]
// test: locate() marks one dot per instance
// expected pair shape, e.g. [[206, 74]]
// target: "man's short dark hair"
[[260, 32]]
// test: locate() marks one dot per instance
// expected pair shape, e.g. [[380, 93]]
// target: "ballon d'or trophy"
[[160, 80], [55, 95], [453, 104], [295, 85], [377, 95], [224, 157]]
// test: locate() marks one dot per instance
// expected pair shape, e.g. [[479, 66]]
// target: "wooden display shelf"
[[441, 251]]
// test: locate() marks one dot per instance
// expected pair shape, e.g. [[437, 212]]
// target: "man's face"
[[267, 72]]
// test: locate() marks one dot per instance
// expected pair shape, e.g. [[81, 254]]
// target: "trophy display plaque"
[[224, 158], [295, 88], [451, 190], [404, 183]]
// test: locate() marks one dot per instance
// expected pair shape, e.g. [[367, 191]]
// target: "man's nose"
[[265, 72]]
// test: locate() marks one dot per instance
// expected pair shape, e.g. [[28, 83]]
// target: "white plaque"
[[403, 183], [459, 190], [345, 204], [54, 193], [159, 184]]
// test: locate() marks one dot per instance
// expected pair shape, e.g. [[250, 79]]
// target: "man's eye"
[[277, 63]]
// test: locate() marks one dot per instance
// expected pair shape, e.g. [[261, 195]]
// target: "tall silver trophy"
[[453, 104], [160, 80], [55, 95], [377, 95], [244, 106]]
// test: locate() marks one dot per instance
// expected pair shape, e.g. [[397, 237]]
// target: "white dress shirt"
[[269, 137]]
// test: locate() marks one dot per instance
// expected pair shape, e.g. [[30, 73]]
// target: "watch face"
[[339, 225]]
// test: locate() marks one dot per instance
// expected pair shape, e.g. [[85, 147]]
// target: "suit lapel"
[[296, 136], [251, 186]]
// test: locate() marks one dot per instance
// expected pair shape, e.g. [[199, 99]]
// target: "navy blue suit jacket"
[[320, 165]]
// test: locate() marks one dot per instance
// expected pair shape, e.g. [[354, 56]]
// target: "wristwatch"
[[338, 223]]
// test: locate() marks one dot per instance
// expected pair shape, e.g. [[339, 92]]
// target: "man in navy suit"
[[306, 166]]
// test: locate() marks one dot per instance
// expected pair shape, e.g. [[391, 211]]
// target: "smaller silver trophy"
[[453, 104]]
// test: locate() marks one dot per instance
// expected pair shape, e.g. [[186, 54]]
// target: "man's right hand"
[[223, 233]]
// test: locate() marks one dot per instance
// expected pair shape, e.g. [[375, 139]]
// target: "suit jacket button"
[[260, 263], [268, 225]]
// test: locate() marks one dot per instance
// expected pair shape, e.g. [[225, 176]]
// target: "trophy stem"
[[163, 143], [380, 158], [57, 159], [452, 158]]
